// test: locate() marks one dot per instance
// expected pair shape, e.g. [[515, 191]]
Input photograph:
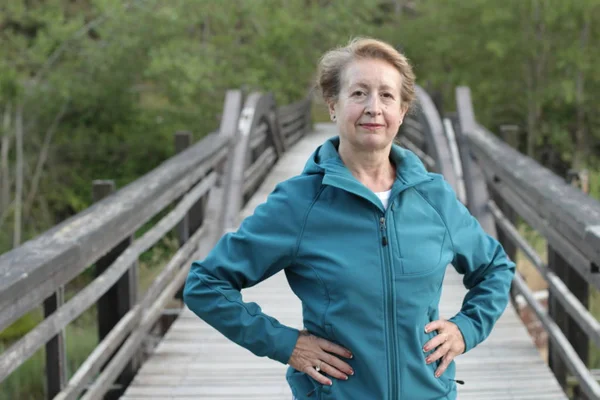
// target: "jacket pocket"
[[306, 388], [303, 387], [420, 235]]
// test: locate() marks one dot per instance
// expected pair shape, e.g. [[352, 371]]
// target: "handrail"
[[422, 132], [568, 219], [55, 257], [225, 168]]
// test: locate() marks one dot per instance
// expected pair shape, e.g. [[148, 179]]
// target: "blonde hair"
[[333, 63]]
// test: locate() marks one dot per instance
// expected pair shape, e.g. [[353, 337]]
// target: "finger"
[[439, 353], [444, 364], [435, 325], [322, 379], [435, 342], [338, 364], [334, 348], [333, 372]]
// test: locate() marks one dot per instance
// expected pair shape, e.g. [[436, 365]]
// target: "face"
[[369, 111]]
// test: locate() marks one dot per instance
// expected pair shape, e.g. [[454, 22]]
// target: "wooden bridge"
[[208, 187]]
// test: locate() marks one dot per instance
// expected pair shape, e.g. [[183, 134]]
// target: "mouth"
[[371, 126]]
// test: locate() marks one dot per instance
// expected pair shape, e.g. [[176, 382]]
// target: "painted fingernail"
[[351, 372], [346, 377], [428, 360], [426, 330], [425, 349], [330, 383]]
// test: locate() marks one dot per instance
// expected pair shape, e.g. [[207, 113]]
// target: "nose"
[[373, 107]]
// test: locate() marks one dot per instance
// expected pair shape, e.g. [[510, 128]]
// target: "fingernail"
[[346, 377], [352, 372], [330, 383], [425, 349], [426, 330], [427, 360], [351, 355]]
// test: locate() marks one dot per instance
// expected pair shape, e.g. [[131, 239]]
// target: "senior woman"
[[364, 235]]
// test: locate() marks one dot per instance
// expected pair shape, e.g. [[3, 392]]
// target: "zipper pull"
[[459, 381], [384, 241], [309, 394]]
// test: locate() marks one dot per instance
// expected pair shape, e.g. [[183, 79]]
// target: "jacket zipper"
[[391, 309]]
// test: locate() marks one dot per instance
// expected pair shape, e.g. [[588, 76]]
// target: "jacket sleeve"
[[487, 270], [264, 244]]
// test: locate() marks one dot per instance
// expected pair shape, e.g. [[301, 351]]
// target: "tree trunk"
[[42, 160], [5, 196], [19, 174], [535, 79], [580, 132]]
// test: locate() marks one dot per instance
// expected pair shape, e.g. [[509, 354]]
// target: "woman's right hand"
[[313, 353]]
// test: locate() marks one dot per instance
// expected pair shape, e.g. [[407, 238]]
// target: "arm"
[[487, 270], [264, 244]]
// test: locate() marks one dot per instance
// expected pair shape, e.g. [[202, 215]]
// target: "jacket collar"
[[326, 160]]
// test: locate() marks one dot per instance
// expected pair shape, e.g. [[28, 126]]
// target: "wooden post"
[[193, 219], [556, 311], [576, 336], [183, 140], [56, 356], [119, 299], [508, 133]]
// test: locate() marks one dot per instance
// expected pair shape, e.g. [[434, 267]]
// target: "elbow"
[[191, 282]]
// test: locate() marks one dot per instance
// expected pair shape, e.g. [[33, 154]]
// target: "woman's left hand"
[[449, 343]]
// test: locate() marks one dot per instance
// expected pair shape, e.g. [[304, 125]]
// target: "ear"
[[403, 111], [331, 108]]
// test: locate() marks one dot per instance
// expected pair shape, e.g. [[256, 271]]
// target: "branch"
[[64, 45], [19, 175], [42, 159], [4, 164]]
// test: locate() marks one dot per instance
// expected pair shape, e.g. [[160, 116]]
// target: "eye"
[[388, 95], [358, 93]]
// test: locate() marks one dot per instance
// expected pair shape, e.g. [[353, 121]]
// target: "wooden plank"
[[575, 306], [118, 300], [20, 351], [565, 207], [41, 265], [56, 355]]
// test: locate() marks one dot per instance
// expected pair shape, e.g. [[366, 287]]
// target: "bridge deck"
[[194, 361]]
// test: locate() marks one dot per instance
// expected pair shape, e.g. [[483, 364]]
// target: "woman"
[[364, 235]]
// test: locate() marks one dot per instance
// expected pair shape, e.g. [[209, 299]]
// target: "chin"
[[374, 141]]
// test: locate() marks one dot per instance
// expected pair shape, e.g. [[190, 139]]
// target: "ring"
[[318, 367]]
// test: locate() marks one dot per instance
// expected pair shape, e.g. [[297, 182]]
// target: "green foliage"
[[131, 73], [21, 326], [28, 381]]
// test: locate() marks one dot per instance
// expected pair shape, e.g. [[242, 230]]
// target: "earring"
[[333, 117]]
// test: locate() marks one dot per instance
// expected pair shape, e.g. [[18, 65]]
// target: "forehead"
[[372, 73]]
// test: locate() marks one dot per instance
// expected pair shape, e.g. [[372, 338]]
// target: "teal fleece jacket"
[[369, 278]]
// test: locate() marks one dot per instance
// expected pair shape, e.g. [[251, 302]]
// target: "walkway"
[[194, 361]]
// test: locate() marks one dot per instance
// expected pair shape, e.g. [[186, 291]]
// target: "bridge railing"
[[506, 186], [501, 186], [197, 193]]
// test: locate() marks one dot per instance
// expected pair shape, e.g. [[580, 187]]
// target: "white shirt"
[[384, 197]]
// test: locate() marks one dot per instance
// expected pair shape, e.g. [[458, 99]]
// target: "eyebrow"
[[364, 85]]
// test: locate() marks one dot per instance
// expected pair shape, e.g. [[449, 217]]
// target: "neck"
[[372, 168]]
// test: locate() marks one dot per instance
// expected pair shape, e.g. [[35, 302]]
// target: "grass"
[[28, 381], [81, 336], [535, 281]]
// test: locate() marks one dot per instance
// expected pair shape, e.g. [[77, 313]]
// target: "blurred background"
[[95, 89]]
